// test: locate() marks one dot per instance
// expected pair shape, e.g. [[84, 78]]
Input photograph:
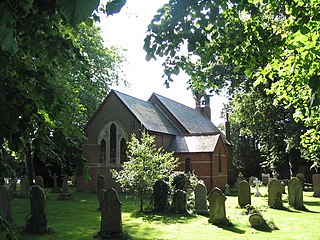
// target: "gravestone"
[[257, 185], [65, 193], [275, 194], [37, 220], [295, 194], [160, 196], [100, 186], [316, 185], [179, 201], [55, 188], [283, 187], [24, 187], [239, 178], [39, 181], [201, 205], [252, 181], [244, 194], [227, 189], [300, 176], [13, 186], [256, 220], [111, 221], [217, 214], [5, 210], [265, 177]]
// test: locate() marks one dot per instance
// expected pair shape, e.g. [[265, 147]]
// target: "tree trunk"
[[29, 164]]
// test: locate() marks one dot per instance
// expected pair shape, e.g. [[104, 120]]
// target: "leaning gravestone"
[[65, 193], [200, 201], [256, 220], [24, 187], [100, 186], [217, 207], [37, 220], [179, 201], [275, 194], [244, 194], [160, 196], [111, 221], [39, 181], [316, 185], [295, 193], [13, 186], [55, 188], [5, 210]]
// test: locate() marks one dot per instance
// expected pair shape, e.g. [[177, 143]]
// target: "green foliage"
[[8, 229], [145, 166]]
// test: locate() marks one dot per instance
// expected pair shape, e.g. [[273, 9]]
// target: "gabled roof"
[[192, 120], [199, 143], [148, 114]]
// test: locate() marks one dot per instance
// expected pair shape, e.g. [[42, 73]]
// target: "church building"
[[189, 133]]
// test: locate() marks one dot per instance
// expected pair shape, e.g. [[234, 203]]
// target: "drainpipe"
[[211, 163]]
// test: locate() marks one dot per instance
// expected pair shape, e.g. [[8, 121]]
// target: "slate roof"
[[148, 114], [192, 120], [186, 144]]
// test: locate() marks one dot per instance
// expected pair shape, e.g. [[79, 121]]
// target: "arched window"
[[220, 161], [103, 149], [113, 143], [188, 168], [123, 150]]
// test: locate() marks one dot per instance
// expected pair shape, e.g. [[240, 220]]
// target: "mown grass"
[[79, 219]]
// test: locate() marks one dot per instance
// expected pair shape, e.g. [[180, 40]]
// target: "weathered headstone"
[[295, 193], [275, 194], [111, 221], [55, 188], [227, 189], [316, 185], [300, 176], [257, 185], [24, 187], [179, 201], [39, 181], [252, 181], [65, 193], [256, 220], [200, 203], [5, 198], [13, 186], [160, 196], [265, 177], [100, 186], [244, 194], [217, 214], [37, 220]]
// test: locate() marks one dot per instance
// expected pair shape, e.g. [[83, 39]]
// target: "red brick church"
[[189, 133]]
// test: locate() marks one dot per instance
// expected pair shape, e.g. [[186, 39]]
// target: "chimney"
[[227, 125]]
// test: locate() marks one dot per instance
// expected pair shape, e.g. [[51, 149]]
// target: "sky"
[[127, 30]]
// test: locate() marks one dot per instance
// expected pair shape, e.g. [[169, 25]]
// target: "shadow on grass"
[[167, 218], [231, 227]]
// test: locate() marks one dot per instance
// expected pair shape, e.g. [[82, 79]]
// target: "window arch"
[[123, 150], [113, 143], [188, 168], [103, 149]]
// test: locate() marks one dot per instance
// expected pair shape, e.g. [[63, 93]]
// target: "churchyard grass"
[[79, 219]]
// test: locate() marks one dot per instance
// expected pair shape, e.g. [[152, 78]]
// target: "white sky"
[[127, 29]]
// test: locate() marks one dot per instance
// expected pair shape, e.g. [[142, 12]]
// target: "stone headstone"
[[5, 210], [217, 214], [37, 220], [65, 193], [100, 186], [275, 194], [252, 181], [300, 176], [316, 185], [13, 186], [111, 221], [257, 185], [244, 194], [200, 203], [39, 181], [160, 196], [295, 193], [24, 187], [265, 177], [239, 178], [257, 221], [55, 188], [227, 189], [179, 201]]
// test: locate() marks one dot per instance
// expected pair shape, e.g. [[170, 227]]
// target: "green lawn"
[[79, 219]]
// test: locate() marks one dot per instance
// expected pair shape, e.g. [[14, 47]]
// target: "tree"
[[54, 72], [145, 166], [243, 44]]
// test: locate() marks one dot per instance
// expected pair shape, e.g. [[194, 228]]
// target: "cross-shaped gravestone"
[[55, 188]]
